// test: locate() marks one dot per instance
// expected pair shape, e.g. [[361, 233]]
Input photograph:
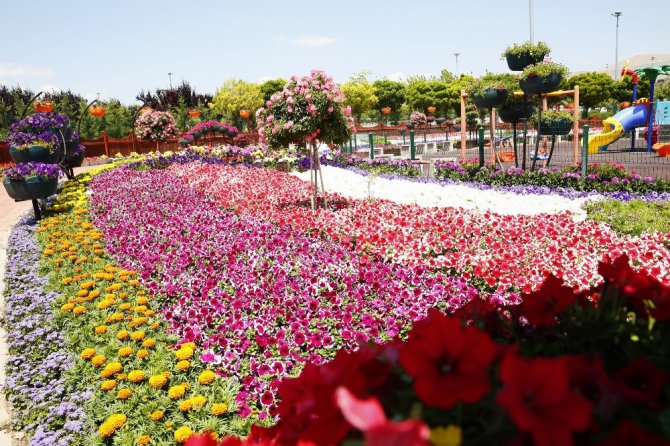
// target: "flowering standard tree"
[[308, 111], [156, 126]]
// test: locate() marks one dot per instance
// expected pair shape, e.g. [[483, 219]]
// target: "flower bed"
[[399, 166], [496, 253], [260, 298]]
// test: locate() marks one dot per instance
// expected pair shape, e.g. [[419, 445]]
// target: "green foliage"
[[235, 95], [270, 87], [390, 94], [662, 89], [538, 50], [595, 89], [359, 95], [632, 217], [505, 81], [423, 93], [551, 117], [623, 89], [544, 69]]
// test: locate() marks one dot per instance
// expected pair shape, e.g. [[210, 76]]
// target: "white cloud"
[[312, 41], [22, 70], [50, 88], [398, 76]]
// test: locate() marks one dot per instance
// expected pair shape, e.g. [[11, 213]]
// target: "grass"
[[632, 217]]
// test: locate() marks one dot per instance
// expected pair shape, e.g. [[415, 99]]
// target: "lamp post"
[[531, 19], [170, 76], [616, 14], [456, 56]]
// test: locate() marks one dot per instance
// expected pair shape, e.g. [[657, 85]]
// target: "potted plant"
[[555, 122], [156, 126], [519, 56], [490, 90], [40, 137], [417, 119], [542, 77], [29, 181], [74, 156]]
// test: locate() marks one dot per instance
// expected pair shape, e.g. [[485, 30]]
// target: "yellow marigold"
[[122, 335], [219, 409], [138, 321], [93, 294], [142, 353], [124, 295], [158, 381], [47, 252], [157, 415], [190, 345], [108, 385], [98, 360], [198, 401], [206, 377], [185, 405], [121, 376], [124, 352], [125, 306], [140, 309], [79, 310], [144, 440], [88, 353], [155, 325], [67, 307], [169, 424], [184, 353], [149, 343], [100, 329], [136, 376], [124, 394], [142, 300], [67, 280], [183, 365], [87, 285], [113, 287], [176, 392], [111, 369], [182, 434], [116, 317], [137, 335], [149, 313], [141, 292], [186, 384], [134, 282], [112, 423], [104, 304]]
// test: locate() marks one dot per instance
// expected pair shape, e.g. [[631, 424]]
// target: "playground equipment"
[[624, 121]]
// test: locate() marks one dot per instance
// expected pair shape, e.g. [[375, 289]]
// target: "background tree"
[[595, 89], [235, 95], [272, 86], [423, 93], [662, 89], [359, 95], [623, 89], [390, 94]]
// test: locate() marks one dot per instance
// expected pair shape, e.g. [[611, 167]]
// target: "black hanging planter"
[[517, 62], [72, 161], [541, 84], [37, 154], [556, 127], [491, 97], [514, 112], [31, 188]]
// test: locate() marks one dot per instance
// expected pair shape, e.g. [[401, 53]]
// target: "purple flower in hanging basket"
[[22, 171]]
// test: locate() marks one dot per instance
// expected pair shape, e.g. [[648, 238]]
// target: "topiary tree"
[[309, 110]]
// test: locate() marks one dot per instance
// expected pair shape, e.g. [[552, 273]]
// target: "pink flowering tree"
[[156, 126], [307, 112]]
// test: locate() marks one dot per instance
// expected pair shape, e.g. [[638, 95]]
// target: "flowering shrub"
[[417, 119], [550, 370], [156, 126], [308, 109], [23, 171]]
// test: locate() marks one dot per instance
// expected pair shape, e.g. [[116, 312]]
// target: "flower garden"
[[212, 297]]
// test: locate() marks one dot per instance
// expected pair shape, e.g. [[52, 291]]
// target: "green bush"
[[632, 217]]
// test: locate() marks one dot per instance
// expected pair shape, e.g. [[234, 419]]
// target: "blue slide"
[[616, 126]]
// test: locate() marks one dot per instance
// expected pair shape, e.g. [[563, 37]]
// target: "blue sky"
[[118, 47]]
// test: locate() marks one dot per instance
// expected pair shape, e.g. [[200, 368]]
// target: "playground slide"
[[615, 126]]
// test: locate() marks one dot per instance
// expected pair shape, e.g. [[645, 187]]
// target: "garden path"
[[10, 211]]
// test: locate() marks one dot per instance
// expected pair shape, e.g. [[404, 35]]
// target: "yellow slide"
[[612, 130]]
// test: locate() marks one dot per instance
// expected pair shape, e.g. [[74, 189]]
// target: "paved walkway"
[[10, 211]]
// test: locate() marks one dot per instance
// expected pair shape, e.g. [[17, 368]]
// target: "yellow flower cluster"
[[112, 424]]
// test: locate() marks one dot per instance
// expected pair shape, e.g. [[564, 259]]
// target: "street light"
[[456, 55], [616, 14], [531, 19], [170, 75]]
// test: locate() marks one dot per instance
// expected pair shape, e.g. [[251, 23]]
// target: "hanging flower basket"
[[97, 111], [244, 114], [36, 153], [194, 113], [491, 97], [31, 188], [514, 112], [386, 110], [517, 62], [431, 109], [44, 106], [506, 156], [541, 84], [73, 160]]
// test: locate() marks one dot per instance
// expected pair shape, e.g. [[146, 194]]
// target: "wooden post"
[[493, 135], [575, 126], [463, 124], [104, 141], [134, 139]]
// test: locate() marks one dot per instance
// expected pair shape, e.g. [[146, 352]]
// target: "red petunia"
[[641, 382], [449, 362], [552, 298], [538, 398]]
